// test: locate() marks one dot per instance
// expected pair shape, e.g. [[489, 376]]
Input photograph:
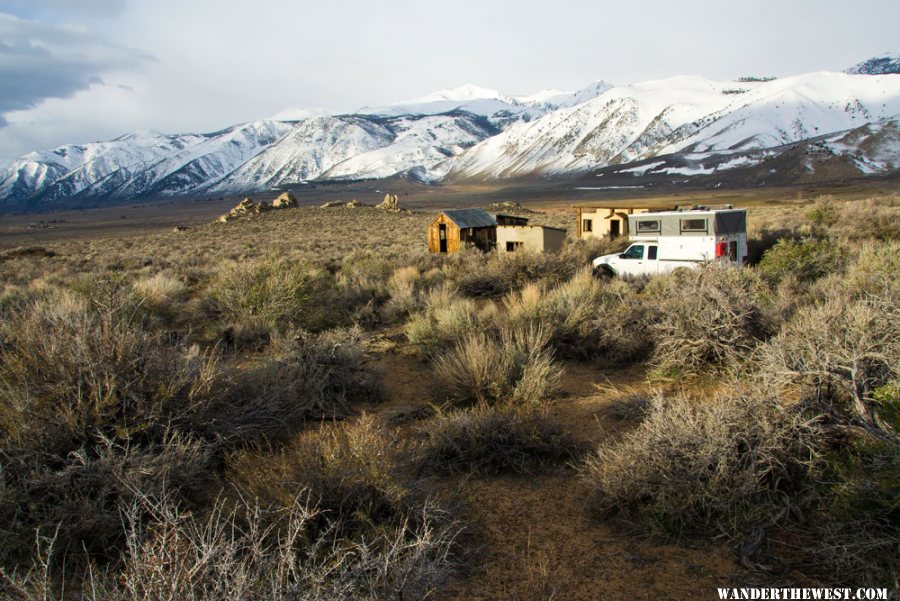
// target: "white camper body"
[[666, 240]]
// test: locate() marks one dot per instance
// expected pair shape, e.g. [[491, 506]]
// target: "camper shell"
[[662, 241]]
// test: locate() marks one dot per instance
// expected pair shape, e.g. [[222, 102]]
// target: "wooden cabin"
[[462, 228]]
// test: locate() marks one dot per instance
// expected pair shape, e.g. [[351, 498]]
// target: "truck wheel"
[[604, 272]]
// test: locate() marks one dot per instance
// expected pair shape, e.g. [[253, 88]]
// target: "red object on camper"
[[721, 249]]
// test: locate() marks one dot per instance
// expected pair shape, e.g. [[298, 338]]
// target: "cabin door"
[[442, 237], [614, 228]]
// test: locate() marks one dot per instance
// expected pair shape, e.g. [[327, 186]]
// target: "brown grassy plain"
[[309, 388]]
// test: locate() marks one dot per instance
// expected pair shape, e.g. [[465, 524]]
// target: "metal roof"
[[471, 218]]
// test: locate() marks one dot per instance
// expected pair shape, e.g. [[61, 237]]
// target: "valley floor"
[[236, 291]]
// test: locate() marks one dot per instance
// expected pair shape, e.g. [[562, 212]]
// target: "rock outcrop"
[[285, 201], [390, 203], [249, 208]]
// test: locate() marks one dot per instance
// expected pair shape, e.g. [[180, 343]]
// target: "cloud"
[[94, 8], [39, 61]]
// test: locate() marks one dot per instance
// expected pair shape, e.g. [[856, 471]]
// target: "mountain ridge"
[[473, 133]]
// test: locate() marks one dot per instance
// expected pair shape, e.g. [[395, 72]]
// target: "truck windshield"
[[634, 252]]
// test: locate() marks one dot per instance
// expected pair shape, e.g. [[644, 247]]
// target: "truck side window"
[[651, 253], [693, 225], [634, 252]]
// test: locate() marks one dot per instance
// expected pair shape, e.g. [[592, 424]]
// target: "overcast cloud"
[[40, 61], [76, 71]]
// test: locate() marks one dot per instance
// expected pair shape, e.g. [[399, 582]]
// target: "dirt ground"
[[537, 537]]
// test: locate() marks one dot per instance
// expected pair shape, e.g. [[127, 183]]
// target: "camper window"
[[647, 226], [693, 225]]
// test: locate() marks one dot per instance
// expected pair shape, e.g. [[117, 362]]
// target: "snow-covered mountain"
[[360, 147], [136, 164], [884, 64], [681, 126], [682, 114], [502, 111]]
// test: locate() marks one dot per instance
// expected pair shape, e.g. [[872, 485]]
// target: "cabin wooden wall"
[[434, 241]]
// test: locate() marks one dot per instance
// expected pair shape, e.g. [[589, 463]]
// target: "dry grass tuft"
[[350, 471], [444, 319], [490, 440], [516, 368]]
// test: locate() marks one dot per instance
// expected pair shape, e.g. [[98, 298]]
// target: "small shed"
[[536, 238], [462, 228]]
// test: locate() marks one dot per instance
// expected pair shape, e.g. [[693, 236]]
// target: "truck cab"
[[638, 259]]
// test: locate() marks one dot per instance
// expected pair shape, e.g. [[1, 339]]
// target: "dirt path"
[[539, 539], [542, 543]]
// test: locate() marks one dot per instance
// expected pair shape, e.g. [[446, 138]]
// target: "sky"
[[74, 71]]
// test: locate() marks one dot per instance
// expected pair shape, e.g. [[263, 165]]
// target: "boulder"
[[285, 201], [333, 203]]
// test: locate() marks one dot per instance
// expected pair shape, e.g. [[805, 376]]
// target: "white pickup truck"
[[665, 240]]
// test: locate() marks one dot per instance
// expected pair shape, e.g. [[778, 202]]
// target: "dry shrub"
[[276, 291], [708, 319], [585, 317], [91, 406], [160, 289], [854, 530], [406, 288], [841, 350], [445, 318], [253, 552], [350, 472], [516, 367], [402, 291], [490, 440], [802, 260], [304, 376], [74, 370], [842, 353], [700, 466], [499, 273], [869, 219], [875, 274], [79, 496], [633, 407]]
